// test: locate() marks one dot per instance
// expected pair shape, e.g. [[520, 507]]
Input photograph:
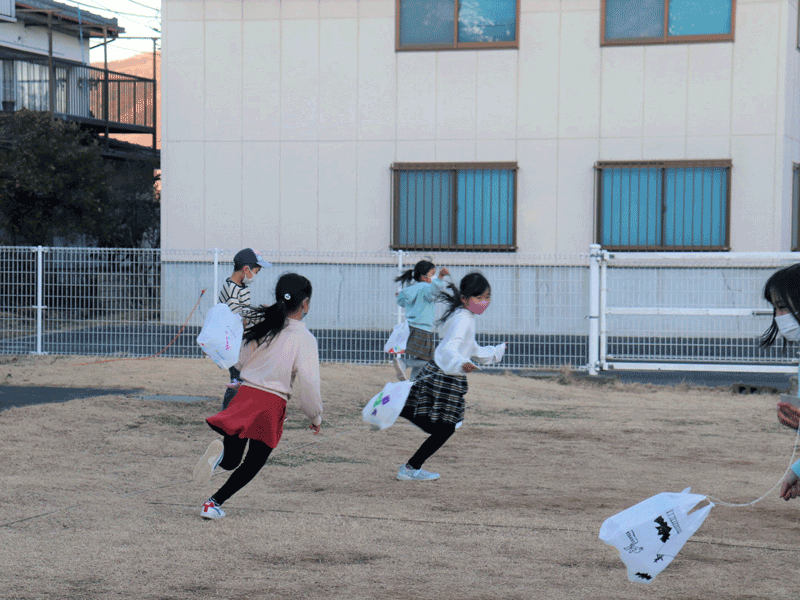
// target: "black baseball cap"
[[248, 257]]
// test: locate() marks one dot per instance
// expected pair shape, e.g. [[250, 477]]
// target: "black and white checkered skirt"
[[437, 396], [420, 344]]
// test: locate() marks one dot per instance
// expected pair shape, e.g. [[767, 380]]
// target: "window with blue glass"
[[454, 24], [666, 21], [459, 206], [677, 205]]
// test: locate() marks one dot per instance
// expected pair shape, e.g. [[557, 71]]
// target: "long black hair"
[[472, 284], [420, 269], [782, 287], [268, 321]]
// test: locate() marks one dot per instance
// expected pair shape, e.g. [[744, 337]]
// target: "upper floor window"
[[666, 21], [454, 206], [456, 24], [670, 205]]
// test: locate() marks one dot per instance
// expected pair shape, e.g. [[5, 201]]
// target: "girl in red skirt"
[[279, 361]]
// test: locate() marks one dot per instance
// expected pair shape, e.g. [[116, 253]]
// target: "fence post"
[[39, 295], [215, 284], [603, 307], [594, 307], [400, 310]]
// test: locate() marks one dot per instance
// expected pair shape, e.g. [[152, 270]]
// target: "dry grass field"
[[98, 502]]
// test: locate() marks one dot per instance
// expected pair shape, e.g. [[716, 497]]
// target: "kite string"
[[791, 462], [196, 304]]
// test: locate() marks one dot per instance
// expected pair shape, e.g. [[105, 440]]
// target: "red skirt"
[[253, 414]]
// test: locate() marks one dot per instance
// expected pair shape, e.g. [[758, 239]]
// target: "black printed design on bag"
[[644, 576], [658, 558], [662, 528], [674, 520], [633, 548]]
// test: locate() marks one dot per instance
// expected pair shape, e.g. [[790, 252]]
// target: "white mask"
[[789, 327], [248, 280]]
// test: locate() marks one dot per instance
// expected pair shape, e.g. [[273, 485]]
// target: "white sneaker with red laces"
[[211, 510]]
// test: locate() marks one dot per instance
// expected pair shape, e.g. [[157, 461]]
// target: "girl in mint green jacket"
[[419, 301]]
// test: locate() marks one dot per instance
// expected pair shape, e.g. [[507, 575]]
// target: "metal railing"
[[594, 311], [80, 92], [687, 311]]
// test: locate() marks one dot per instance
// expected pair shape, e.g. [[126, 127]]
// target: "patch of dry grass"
[[98, 502]]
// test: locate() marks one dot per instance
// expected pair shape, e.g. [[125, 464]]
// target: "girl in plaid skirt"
[[418, 300], [435, 403]]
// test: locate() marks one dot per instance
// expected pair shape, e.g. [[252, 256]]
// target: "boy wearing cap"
[[236, 294]]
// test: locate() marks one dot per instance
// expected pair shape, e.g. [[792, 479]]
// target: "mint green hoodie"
[[419, 301]]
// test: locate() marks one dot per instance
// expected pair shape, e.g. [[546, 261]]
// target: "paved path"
[[11, 395]]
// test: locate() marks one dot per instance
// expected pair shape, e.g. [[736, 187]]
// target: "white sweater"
[[288, 367], [458, 346]]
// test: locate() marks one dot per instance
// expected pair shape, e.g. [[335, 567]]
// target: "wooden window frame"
[[456, 44], [455, 168], [664, 164], [795, 222], [665, 38]]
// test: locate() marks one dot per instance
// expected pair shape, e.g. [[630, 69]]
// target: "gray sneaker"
[[210, 461], [406, 474]]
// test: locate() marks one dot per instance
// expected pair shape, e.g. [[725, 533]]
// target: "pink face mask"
[[477, 306]]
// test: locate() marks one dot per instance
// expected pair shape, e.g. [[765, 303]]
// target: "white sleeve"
[[487, 355], [448, 353]]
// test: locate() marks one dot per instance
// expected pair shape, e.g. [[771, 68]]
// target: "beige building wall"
[[281, 120]]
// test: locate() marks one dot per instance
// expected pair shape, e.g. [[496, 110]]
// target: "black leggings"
[[257, 455], [439, 431]]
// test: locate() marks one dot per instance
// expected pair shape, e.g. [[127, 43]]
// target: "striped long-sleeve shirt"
[[237, 297]]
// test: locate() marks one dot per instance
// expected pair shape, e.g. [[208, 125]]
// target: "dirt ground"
[[98, 502]]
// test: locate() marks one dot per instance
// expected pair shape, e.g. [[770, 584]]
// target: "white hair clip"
[[287, 296]]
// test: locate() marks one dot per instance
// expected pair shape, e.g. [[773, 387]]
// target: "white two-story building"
[[531, 126]]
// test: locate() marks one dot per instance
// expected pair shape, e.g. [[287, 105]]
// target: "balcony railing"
[[116, 102]]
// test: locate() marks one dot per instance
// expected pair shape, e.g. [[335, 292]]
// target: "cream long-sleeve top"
[[287, 367], [458, 345]]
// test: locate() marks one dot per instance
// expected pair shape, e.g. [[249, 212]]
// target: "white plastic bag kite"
[[650, 534], [396, 344], [384, 408], [221, 335]]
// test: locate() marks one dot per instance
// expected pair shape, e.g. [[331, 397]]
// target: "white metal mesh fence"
[[689, 308], [662, 309], [135, 303]]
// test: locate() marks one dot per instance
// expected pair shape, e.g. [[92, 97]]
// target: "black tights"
[[256, 457], [439, 432]]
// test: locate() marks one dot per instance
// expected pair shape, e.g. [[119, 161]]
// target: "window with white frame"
[[668, 205], [456, 24], [666, 21], [454, 206]]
